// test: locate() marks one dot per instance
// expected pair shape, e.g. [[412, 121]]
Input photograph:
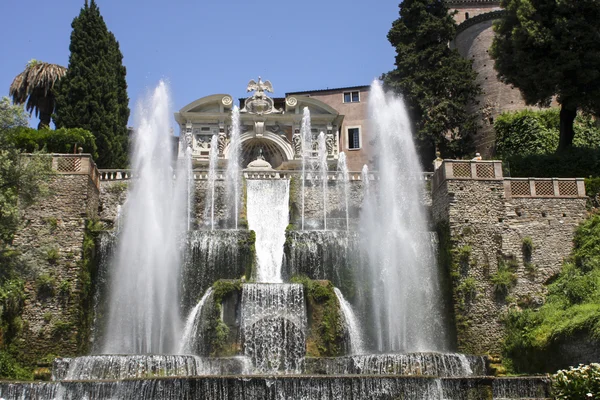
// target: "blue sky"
[[204, 47]]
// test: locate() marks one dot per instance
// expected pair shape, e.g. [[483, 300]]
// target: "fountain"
[[322, 157], [343, 169], [306, 135], [143, 313], [209, 207], [233, 167], [264, 320], [401, 269]]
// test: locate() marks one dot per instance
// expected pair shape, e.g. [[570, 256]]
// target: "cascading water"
[[143, 315], [324, 177], [274, 326], [354, 331], [306, 135], [190, 331], [234, 176], [406, 304], [209, 206], [343, 169], [268, 216]]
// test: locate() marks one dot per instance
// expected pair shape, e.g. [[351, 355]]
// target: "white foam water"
[[268, 217]]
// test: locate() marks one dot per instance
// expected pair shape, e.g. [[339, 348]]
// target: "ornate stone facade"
[[268, 124]]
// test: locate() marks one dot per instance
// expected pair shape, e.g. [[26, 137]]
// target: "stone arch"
[[276, 149]]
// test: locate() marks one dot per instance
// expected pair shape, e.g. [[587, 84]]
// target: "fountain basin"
[[350, 387]]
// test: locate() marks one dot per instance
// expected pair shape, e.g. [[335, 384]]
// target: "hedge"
[[54, 141]]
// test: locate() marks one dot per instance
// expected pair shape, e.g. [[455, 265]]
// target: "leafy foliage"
[[582, 382], [11, 369], [574, 162], [592, 190], [327, 332], [437, 82], [527, 132], [551, 47], [21, 184], [93, 93], [572, 307], [62, 140], [504, 279], [11, 115]]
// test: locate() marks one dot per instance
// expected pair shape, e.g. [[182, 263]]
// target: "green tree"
[[551, 47], [436, 81], [11, 115], [93, 93], [35, 85]]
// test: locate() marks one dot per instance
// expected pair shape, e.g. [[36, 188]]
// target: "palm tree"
[[35, 85]]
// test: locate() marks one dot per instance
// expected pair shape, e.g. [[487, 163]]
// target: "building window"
[[353, 138], [467, 15], [351, 97]]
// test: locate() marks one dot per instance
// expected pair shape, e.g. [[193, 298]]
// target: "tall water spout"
[[323, 169], [364, 175], [209, 206], [143, 314], [189, 177], [306, 134], [233, 166], [402, 270], [343, 169]]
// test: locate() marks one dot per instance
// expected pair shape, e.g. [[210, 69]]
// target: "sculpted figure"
[[297, 142]]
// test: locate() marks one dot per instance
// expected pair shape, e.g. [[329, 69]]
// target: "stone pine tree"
[[93, 93], [552, 47], [436, 82]]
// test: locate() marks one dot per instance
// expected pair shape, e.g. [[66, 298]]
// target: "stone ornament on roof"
[[260, 103]]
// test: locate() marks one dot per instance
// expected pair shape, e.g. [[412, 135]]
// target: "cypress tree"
[[436, 82], [93, 93]]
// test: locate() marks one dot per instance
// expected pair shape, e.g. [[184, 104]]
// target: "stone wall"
[[487, 230], [57, 280]]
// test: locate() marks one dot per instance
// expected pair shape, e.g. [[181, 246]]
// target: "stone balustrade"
[[513, 187], [125, 174], [544, 187], [464, 169], [76, 164]]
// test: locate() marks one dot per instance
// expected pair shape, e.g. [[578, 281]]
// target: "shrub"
[[58, 141], [505, 278], [592, 190], [582, 382], [45, 284], [576, 162], [529, 132], [52, 255], [11, 369]]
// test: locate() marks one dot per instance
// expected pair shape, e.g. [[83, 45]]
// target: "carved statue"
[[297, 142], [260, 103], [221, 142], [260, 87], [329, 144]]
